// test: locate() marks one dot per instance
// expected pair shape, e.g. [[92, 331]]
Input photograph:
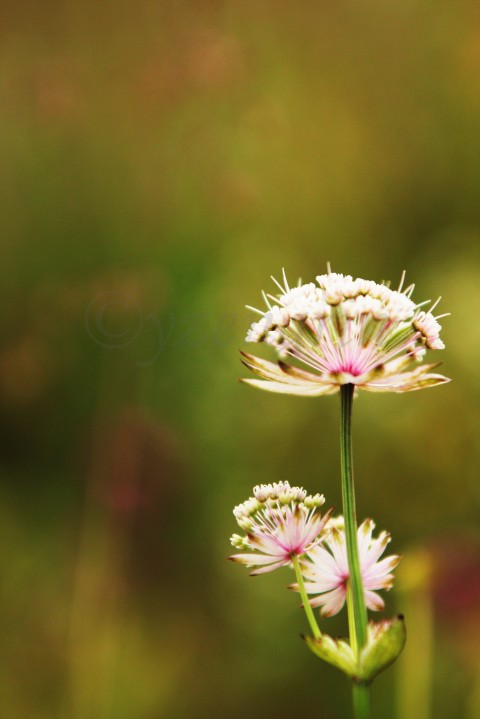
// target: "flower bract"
[[326, 571], [385, 641], [344, 331], [281, 522]]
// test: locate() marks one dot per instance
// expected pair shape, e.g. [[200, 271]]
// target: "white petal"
[[381, 569], [301, 390], [332, 602], [269, 568], [406, 381], [338, 546], [253, 560], [277, 371], [373, 601], [266, 544], [324, 584], [321, 562]]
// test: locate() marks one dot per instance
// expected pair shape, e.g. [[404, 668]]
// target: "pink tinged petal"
[[313, 528], [338, 546], [383, 567], [269, 568], [322, 584], [318, 601], [378, 579], [295, 525], [400, 364], [285, 539], [378, 545], [312, 531], [407, 381], [330, 578], [300, 390], [375, 550], [364, 538], [253, 560], [265, 543], [385, 582], [428, 380], [277, 371], [373, 601], [322, 521], [291, 534], [322, 561], [316, 575], [297, 373], [332, 602]]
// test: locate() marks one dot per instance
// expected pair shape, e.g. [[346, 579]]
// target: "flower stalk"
[[305, 601], [361, 701], [349, 513], [357, 612]]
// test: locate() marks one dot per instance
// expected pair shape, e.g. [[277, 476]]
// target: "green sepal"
[[336, 652], [385, 642]]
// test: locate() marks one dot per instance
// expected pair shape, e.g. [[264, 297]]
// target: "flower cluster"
[[344, 331], [326, 568], [281, 522], [336, 334]]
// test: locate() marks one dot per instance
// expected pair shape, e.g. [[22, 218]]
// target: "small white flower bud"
[[245, 523]]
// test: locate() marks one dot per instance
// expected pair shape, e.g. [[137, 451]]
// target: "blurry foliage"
[[159, 161]]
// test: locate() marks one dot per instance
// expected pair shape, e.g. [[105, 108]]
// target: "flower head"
[[344, 331], [281, 522], [326, 568]]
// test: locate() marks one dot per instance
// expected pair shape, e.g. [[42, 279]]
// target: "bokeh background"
[[159, 161]]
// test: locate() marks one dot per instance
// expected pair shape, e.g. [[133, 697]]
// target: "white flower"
[[325, 568], [344, 331], [281, 522]]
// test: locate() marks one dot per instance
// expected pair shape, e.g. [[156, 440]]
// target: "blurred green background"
[[159, 161]]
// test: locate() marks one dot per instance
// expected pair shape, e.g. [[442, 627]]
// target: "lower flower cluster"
[[284, 527], [282, 522]]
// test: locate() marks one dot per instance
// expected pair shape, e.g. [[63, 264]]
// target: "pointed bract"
[[385, 642]]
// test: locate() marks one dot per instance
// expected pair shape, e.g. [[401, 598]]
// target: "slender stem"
[[348, 497], [361, 701], [357, 612], [351, 620], [306, 604]]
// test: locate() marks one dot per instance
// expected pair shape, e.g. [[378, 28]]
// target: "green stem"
[[352, 631], [361, 701], [306, 604], [357, 612]]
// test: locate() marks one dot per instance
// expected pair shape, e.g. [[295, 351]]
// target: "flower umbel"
[[326, 568], [344, 331], [281, 522]]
